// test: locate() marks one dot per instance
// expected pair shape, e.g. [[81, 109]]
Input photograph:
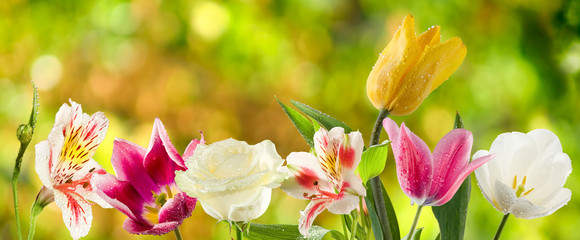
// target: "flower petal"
[[307, 176], [253, 208], [350, 154], [177, 208], [43, 163], [121, 195], [393, 64], [504, 197], [127, 161], [162, 160], [450, 159], [547, 177], [414, 166], [134, 227], [546, 141], [76, 213], [560, 199], [343, 204], [307, 216], [430, 37]]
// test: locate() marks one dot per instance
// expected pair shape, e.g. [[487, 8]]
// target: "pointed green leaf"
[[453, 214], [391, 215], [304, 126], [416, 235], [373, 161], [287, 232], [375, 223], [326, 121]]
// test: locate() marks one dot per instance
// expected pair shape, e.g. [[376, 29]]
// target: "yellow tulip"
[[411, 66]]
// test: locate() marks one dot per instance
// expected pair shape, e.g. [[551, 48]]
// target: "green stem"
[[415, 221], [34, 212], [344, 230], [364, 216], [354, 226], [177, 234], [15, 175], [376, 181], [239, 235], [501, 225]]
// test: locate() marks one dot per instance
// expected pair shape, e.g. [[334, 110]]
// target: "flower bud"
[[24, 133], [411, 66]]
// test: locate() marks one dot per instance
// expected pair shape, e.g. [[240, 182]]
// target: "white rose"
[[232, 180]]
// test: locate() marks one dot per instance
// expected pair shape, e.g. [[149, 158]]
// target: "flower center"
[[152, 212], [521, 188]]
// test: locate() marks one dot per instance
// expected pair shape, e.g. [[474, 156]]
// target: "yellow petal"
[[394, 63], [430, 37], [436, 64]]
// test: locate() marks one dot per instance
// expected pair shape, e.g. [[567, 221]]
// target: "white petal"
[[42, 164], [522, 208], [503, 197], [517, 151], [253, 207], [345, 205], [76, 213], [546, 141], [558, 201], [547, 177], [482, 174], [314, 208]]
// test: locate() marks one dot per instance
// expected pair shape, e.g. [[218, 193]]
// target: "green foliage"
[[304, 126], [287, 232], [373, 161], [391, 215], [416, 235], [326, 121]]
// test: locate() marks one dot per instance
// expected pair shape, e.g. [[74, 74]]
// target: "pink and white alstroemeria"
[[431, 179], [145, 188], [65, 166], [326, 178]]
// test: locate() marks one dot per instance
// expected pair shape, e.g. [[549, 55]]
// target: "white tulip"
[[526, 178], [232, 180]]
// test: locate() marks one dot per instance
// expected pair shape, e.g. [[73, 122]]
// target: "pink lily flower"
[[326, 178], [65, 166], [431, 179], [145, 188]]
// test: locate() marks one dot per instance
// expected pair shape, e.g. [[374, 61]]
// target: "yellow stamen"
[[515, 182], [526, 193]]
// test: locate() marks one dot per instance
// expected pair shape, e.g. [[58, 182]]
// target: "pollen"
[[521, 188]]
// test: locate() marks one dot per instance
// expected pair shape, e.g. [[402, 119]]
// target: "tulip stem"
[[376, 181], [177, 234], [415, 221], [501, 225]]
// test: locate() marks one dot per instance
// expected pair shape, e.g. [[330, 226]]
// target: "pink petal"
[[307, 216], [450, 157], [127, 161], [307, 176], [134, 227], [162, 160], [177, 208], [448, 192], [121, 195], [76, 213], [350, 154], [414, 164], [191, 147]]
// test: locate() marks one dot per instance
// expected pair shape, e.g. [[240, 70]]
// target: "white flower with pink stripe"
[[327, 176]]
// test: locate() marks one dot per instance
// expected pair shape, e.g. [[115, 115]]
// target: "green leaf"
[[453, 214], [287, 232], [373, 161], [438, 236], [360, 232], [326, 121], [391, 215], [375, 223], [304, 126], [416, 235]]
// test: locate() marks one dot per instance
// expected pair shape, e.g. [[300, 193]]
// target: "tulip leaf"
[[303, 124], [416, 235], [287, 232], [373, 161], [326, 121], [391, 215], [453, 214]]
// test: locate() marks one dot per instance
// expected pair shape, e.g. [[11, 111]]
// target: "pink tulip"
[[432, 179]]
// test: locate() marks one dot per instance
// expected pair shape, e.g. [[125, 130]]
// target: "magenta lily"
[[145, 188], [431, 179], [327, 178]]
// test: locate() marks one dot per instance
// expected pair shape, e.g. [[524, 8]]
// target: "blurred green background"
[[216, 67]]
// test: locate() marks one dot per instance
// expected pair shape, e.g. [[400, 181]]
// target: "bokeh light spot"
[[210, 20], [46, 71]]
